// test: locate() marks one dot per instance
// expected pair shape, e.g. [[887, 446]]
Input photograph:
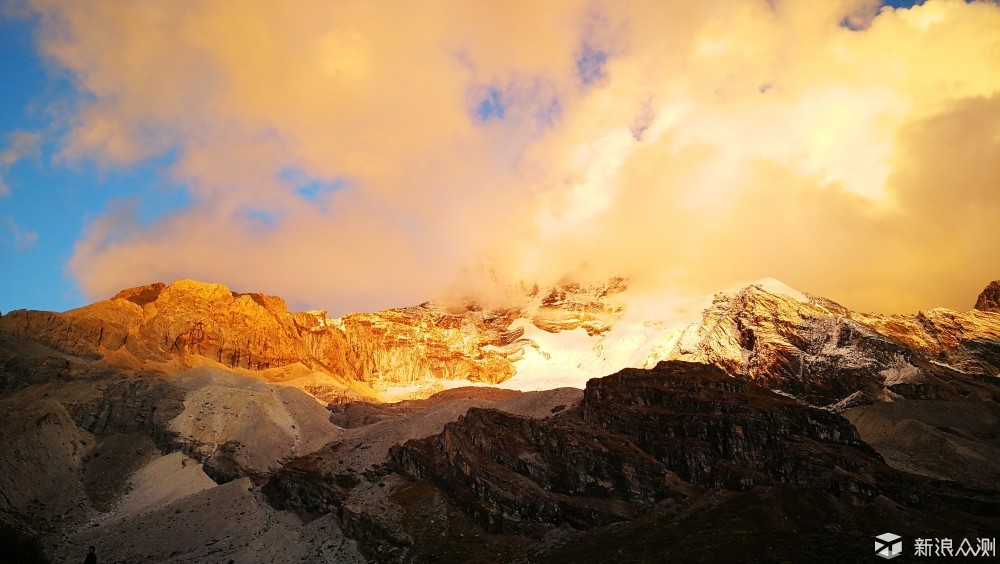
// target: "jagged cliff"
[[804, 345], [631, 472], [822, 352], [187, 324], [186, 319], [637, 438]]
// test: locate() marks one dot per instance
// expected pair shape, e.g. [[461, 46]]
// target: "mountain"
[[187, 324], [804, 345], [188, 423]]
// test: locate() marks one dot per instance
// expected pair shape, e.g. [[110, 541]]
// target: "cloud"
[[847, 149], [20, 144], [15, 237]]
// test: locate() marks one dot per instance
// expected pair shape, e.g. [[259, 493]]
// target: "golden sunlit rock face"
[[822, 352], [416, 346], [805, 345], [189, 324], [845, 147]]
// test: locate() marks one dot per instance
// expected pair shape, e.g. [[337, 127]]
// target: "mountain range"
[[190, 423]]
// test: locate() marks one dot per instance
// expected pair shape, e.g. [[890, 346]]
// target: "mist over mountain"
[[185, 422]]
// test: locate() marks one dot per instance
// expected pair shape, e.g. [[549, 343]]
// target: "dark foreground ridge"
[[679, 461]]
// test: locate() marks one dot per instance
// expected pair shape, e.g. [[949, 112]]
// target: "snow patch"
[[650, 330], [556, 360]]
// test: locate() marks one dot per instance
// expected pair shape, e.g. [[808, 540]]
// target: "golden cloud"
[[846, 148]]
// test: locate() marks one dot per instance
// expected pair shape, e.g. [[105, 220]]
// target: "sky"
[[353, 156]]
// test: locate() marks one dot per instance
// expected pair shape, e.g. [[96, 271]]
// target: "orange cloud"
[[846, 149]]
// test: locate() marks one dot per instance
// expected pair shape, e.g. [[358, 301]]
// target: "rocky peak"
[[989, 299], [141, 295], [822, 352], [184, 324]]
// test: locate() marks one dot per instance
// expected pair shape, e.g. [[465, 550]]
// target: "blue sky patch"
[[902, 3], [262, 220], [311, 188], [590, 64], [491, 106]]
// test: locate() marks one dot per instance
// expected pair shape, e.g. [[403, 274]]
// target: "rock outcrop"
[[569, 305], [418, 345], [646, 456], [163, 323], [41, 477], [823, 352], [989, 299], [638, 438], [145, 404], [242, 427]]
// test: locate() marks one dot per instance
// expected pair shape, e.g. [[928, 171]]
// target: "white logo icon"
[[888, 545]]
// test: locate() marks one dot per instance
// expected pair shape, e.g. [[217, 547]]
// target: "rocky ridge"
[[188, 324], [643, 453], [637, 438], [804, 345], [823, 352]]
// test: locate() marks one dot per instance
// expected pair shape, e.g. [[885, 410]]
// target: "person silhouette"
[[91, 556]]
